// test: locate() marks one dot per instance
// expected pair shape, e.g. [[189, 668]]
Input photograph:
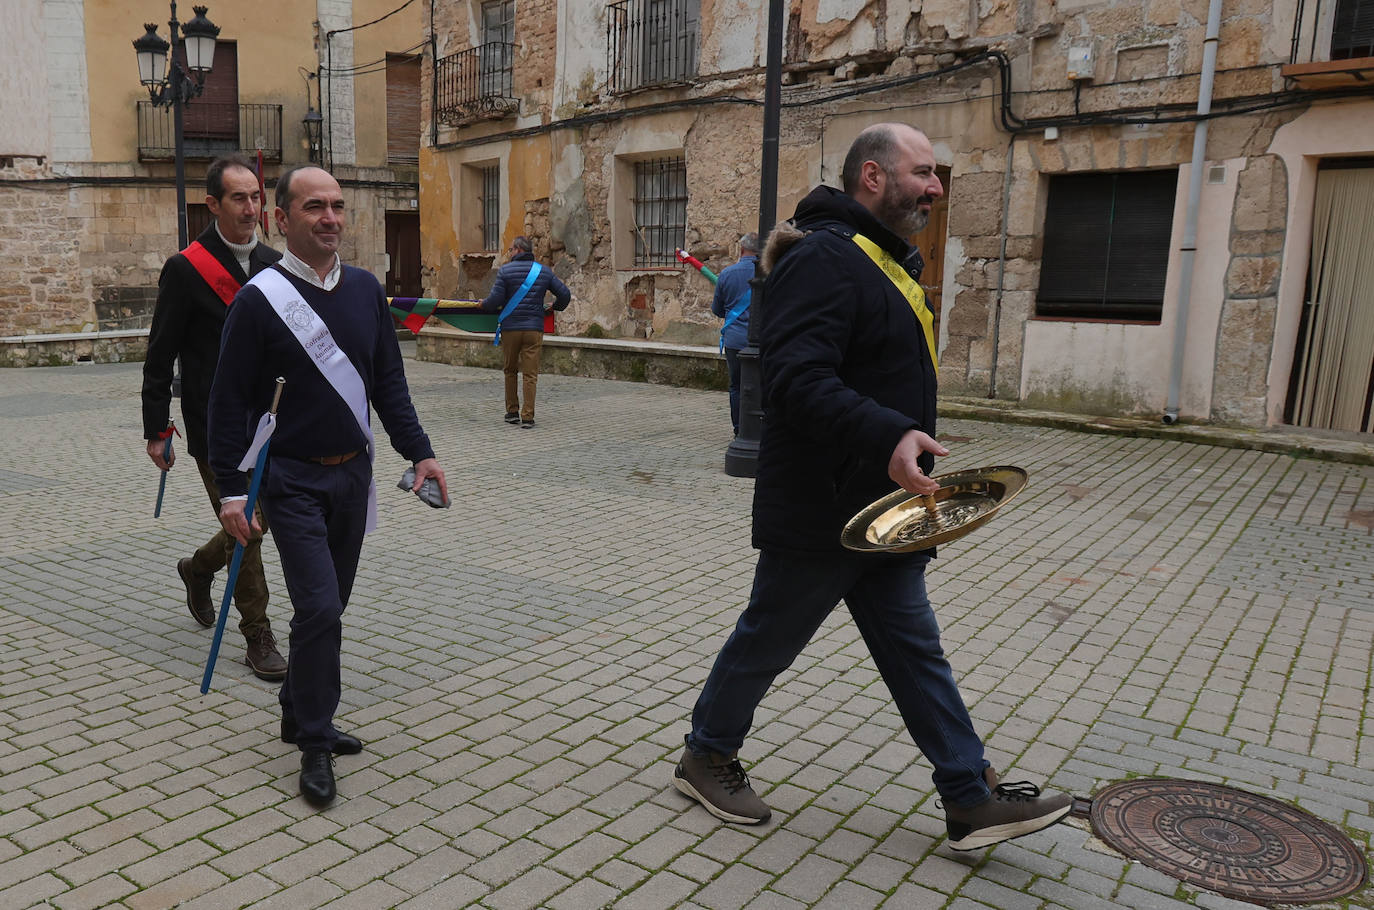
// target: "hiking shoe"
[[512, 417], [197, 593], [263, 658], [719, 783], [1011, 811]]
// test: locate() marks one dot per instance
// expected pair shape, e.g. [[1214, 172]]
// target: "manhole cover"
[[1235, 843]]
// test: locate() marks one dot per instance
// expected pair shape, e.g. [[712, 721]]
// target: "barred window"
[[1352, 34], [489, 202], [651, 42], [1106, 251], [660, 210]]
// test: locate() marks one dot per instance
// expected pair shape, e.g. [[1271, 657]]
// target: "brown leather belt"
[[334, 459]]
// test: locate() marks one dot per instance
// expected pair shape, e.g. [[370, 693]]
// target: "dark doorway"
[[403, 254]]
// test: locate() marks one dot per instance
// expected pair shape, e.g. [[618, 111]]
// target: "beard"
[[902, 214]]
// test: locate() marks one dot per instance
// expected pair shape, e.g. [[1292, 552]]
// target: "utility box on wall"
[[1081, 60]]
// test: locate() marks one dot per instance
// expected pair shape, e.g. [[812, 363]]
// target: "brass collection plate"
[[901, 522]]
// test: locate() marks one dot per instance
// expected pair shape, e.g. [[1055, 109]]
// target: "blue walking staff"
[[167, 457], [264, 433]]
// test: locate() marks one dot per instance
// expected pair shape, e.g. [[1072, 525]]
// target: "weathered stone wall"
[[77, 255], [1144, 62]]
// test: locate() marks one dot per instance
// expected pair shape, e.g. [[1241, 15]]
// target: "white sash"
[[332, 362]]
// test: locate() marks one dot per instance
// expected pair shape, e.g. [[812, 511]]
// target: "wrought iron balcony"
[[476, 83], [1333, 43], [210, 129], [651, 43]]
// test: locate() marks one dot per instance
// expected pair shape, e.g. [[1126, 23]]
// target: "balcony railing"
[[651, 42], [210, 129], [476, 82], [1333, 44]]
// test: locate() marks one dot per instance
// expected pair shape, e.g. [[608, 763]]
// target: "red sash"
[[213, 271]]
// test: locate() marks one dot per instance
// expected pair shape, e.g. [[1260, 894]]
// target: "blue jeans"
[[793, 594], [732, 366]]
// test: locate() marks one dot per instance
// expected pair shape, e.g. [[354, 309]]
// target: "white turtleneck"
[[241, 251]]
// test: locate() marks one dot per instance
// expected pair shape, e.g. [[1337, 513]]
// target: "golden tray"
[[901, 522]]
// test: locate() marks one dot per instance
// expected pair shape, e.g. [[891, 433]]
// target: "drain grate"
[[1235, 843]]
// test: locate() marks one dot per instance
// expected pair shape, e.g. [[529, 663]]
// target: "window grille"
[[1352, 34], [490, 204], [1106, 251], [651, 42], [660, 210]]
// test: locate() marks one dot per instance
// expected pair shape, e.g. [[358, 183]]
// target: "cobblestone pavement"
[[522, 668]]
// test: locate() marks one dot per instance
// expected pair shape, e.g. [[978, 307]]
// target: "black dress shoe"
[[344, 745], [317, 777]]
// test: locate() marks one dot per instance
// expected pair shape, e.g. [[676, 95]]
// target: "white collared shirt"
[[298, 267]]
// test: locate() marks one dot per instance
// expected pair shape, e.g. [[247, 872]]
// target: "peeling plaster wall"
[[1145, 53]]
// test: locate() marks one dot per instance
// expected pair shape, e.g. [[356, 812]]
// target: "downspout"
[[1188, 251], [1001, 266]]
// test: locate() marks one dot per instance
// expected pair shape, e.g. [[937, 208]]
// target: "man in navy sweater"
[[325, 328], [518, 296]]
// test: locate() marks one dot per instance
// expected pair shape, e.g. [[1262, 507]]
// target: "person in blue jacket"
[[518, 295], [731, 303]]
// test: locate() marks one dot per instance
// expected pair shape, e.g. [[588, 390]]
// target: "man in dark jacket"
[[194, 292], [849, 364], [518, 296], [731, 303]]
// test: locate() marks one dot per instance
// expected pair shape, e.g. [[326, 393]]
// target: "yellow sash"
[[907, 285]]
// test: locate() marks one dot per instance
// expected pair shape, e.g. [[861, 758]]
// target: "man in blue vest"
[[518, 295], [731, 303]]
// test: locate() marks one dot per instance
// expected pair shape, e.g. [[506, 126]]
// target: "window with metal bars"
[[489, 202], [660, 210], [1352, 33], [651, 42], [1106, 250]]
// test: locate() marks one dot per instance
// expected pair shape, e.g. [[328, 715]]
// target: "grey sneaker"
[[1011, 811], [719, 783]]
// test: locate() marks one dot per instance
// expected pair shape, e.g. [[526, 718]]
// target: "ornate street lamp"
[[175, 85]]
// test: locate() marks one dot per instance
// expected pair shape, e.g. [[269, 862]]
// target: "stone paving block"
[[554, 689]]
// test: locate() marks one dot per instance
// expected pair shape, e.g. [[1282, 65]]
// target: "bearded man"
[[848, 361]]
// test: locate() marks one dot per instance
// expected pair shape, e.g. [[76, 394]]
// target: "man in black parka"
[[193, 297], [849, 378]]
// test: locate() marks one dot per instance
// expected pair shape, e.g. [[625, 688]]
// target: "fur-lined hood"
[[781, 239]]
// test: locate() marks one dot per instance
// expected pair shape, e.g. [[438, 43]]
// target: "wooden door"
[[931, 242], [403, 250]]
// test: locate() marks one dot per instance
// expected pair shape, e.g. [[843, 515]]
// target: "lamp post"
[[742, 455], [176, 85]]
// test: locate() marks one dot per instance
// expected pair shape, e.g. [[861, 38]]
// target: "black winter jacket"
[[846, 372], [187, 322]]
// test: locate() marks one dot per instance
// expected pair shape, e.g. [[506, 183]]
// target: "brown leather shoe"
[[263, 657], [197, 593]]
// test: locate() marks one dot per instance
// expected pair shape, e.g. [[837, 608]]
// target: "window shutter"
[[1106, 249], [214, 114], [402, 109]]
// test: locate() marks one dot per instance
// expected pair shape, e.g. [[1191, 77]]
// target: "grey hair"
[[750, 241], [877, 143]]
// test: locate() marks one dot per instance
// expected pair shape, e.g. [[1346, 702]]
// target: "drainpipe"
[[1001, 267], [1189, 249]]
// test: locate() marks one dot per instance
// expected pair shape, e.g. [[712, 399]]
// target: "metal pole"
[[742, 455], [177, 88]]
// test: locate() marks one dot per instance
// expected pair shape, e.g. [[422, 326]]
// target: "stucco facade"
[[88, 216], [1013, 96]]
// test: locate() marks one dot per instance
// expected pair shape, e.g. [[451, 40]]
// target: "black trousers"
[[318, 515]]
